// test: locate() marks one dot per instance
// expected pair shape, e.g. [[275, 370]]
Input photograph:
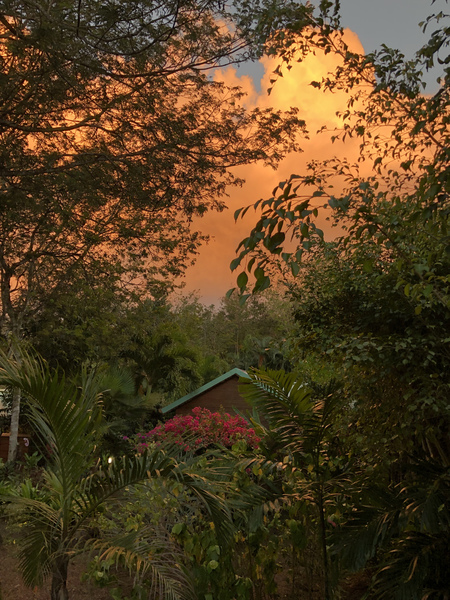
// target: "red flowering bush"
[[200, 430]]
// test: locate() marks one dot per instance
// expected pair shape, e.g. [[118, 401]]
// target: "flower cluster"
[[200, 430]]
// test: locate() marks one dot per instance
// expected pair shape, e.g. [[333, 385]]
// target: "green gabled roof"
[[204, 388]]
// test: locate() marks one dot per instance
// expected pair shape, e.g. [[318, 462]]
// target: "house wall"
[[224, 396], [23, 441]]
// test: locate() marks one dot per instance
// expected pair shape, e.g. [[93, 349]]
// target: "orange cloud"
[[211, 274]]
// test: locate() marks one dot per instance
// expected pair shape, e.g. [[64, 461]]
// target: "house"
[[219, 394]]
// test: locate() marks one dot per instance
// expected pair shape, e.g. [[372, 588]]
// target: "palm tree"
[[67, 419], [298, 439], [404, 530]]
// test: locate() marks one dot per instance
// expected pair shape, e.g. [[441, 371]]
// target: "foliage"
[[218, 569], [76, 486], [165, 359], [405, 526], [108, 149], [125, 408], [368, 331], [400, 207], [301, 442], [247, 566], [232, 335], [374, 303], [93, 199], [201, 430]]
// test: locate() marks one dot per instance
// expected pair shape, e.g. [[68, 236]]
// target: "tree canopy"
[[374, 302], [114, 134]]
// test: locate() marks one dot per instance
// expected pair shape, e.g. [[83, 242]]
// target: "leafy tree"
[[90, 194], [379, 294], [251, 334], [375, 302], [401, 206], [75, 485], [367, 329], [90, 325], [165, 360], [107, 145], [126, 408], [172, 346], [231, 335]]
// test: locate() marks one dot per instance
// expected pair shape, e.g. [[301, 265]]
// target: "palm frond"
[[105, 482], [374, 521], [154, 558], [211, 495], [64, 418], [416, 568], [407, 527], [278, 395], [41, 541], [37, 555], [297, 422]]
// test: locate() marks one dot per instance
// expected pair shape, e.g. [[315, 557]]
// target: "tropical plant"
[[164, 359], [374, 303], [75, 485], [236, 569], [108, 149], [301, 444], [231, 335], [126, 407], [402, 530]]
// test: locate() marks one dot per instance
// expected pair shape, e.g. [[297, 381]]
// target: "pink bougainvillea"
[[200, 430]]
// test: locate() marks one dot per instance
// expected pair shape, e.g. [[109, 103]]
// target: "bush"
[[200, 430]]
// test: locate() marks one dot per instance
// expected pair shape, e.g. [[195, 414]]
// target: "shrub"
[[200, 430]]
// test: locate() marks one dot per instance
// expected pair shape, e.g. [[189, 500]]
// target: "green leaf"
[[243, 299], [262, 283], [368, 266], [178, 528], [428, 290], [304, 230], [259, 273], [235, 263], [275, 241], [242, 280]]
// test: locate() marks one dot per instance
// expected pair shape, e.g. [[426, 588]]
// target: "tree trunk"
[[59, 579], [323, 539], [14, 430]]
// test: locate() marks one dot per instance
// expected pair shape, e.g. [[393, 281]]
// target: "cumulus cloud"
[[211, 274]]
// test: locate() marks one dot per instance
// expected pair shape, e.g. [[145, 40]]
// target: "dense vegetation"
[[372, 307], [108, 151], [343, 473]]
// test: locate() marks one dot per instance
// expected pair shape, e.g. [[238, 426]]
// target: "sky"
[[370, 23], [390, 22]]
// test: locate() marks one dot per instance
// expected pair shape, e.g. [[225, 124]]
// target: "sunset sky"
[[370, 23]]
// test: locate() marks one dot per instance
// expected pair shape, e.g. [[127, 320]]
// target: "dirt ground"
[[13, 588]]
